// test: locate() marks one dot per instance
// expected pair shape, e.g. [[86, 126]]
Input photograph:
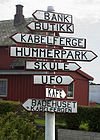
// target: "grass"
[[42, 122]]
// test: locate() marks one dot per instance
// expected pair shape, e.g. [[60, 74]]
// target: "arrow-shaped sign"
[[49, 40], [52, 79], [51, 27], [63, 54], [52, 16], [41, 105], [55, 93], [51, 66]]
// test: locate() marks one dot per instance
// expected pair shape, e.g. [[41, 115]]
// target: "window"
[[3, 87], [70, 91]]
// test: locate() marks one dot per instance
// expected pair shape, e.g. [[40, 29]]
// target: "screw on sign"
[[61, 54], [49, 40], [52, 79], [52, 16], [40, 105], [55, 93], [51, 27], [52, 66]]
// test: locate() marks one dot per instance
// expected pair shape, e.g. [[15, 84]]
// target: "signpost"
[[50, 106], [55, 93], [49, 40], [52, 79], [44, 53], [48, 21], [51, 27], [51, 66], [52, 16]]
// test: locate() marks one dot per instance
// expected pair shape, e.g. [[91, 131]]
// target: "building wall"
[[5, 59], [21, 87]]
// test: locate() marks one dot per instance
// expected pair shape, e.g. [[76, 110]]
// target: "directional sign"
[[52, 79], [42, 53], [49, 40], [55, 93], [50, 106], [52, 16], [51, 27], [51, 66]]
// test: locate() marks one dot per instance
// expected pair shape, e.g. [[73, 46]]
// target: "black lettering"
[[59, 79], [46, 79], [68, 27], [39, 103], [42, 53], [66, 66], [46, 16], [54, 17], [66, 18], [36, 39], [63, 52], [37, 26], [56, 53], [61, 27], [22, 38], [49, 53], [54, 103], [83, 55], [52, 66], [30, 39], [32, 108], [42, 40], [45, 26], [74, 42], [33, 103], [36, 65], [19, 51], [43, 102], [70, 55], [68, 40], [58, 67], [61, 40], [27, 51], [60, 17], [51, 79], [55, 40], [44, 66], [34, 52], [52, 26], [77, 55], [49, 92]]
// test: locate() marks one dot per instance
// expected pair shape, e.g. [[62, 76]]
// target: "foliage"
[[87, 118], [8, 106], [19, 127]]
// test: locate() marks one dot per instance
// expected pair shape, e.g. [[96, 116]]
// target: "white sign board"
[[52, 79], [55, 93], [49, 40], [51, 66], [42, 53], [51, 27], [50, 106], [52, 16]]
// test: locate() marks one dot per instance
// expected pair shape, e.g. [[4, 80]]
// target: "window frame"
[[1, 95], [73, 91]]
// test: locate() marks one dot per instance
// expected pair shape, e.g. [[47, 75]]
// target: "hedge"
[[8, 106], [86, 115]]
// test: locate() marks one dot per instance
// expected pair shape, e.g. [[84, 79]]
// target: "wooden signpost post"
[[48, 21]]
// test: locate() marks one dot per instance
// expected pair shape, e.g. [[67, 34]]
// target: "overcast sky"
[[86, 20]]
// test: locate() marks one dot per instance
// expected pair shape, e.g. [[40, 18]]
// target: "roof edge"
[[85, 75]]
